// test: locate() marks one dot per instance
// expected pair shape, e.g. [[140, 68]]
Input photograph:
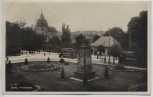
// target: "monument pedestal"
[[84, 67], [88, 75]]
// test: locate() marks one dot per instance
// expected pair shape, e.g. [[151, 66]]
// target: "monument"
[[84, 66]]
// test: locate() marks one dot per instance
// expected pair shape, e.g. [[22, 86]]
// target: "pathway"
[[55, 57]]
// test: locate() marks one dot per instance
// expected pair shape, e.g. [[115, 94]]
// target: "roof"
[[104, 41], [64, 49], [42, 21]]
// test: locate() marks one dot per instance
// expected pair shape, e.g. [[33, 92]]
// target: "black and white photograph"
[[79, 47]]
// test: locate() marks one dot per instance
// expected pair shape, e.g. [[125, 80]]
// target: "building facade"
[[43, 28]]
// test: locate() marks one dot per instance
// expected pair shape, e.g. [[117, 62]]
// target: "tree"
[[30, 40], [119, 35], [106, 73], [48, 60], [62, 74], [115, 50], [54, 44], [137, 28], [79, 39], [140, 54], [19, 37], [12, 39], [66, 36], [26, 61], [62, 60], [96, 37]]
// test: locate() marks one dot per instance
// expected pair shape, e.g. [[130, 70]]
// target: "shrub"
[[26, 61], [62, 74], [62, 60], [48, 60], [66, 63], [106, 73], [115, 50], [119, 67], [141, 57]]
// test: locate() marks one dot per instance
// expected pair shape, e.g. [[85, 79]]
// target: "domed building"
[[43, 28], [42, 25]]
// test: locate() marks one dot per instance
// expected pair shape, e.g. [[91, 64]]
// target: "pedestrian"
[[60, 55], [62, 74], [44, 54], [105, 59], [102, 53], [113, 60], [7, 60], [120, 59], [97, 54]]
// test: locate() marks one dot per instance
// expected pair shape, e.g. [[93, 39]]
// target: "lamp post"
[[129, 40], [19, 43], [109, 47]]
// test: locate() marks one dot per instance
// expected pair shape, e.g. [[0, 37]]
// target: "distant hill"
[[87, 34], [94, 32]]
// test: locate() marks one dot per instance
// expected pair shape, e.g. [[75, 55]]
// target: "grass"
[[51, 81]]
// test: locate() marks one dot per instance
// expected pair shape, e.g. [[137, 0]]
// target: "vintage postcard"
[[76, 47]]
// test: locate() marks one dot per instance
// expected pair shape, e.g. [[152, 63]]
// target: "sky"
[[79, 16]]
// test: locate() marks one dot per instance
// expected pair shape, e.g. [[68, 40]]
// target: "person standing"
[[105, 59], [97, 54], [7, 60], [120, 59]]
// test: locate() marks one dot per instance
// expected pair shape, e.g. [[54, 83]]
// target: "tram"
[[69, 53]]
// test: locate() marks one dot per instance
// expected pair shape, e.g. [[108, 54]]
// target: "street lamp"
[[129, 40], [109, 47]]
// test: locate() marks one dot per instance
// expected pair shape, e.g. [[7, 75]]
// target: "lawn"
[[51, 81]]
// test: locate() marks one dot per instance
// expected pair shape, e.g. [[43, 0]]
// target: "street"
[[55, 57]]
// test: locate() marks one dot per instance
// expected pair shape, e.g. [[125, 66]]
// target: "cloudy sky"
[[79, 16]]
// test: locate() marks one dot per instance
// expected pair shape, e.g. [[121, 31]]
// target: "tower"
[[42, 25]]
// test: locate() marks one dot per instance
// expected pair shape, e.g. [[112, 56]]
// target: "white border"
[[89, 1]]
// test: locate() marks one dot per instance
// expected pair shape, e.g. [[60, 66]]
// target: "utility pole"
[[109, 47], [129, 40]]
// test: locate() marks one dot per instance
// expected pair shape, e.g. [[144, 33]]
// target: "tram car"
[[69, 52]]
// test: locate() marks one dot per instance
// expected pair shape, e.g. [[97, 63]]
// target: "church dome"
[[42, 22]]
